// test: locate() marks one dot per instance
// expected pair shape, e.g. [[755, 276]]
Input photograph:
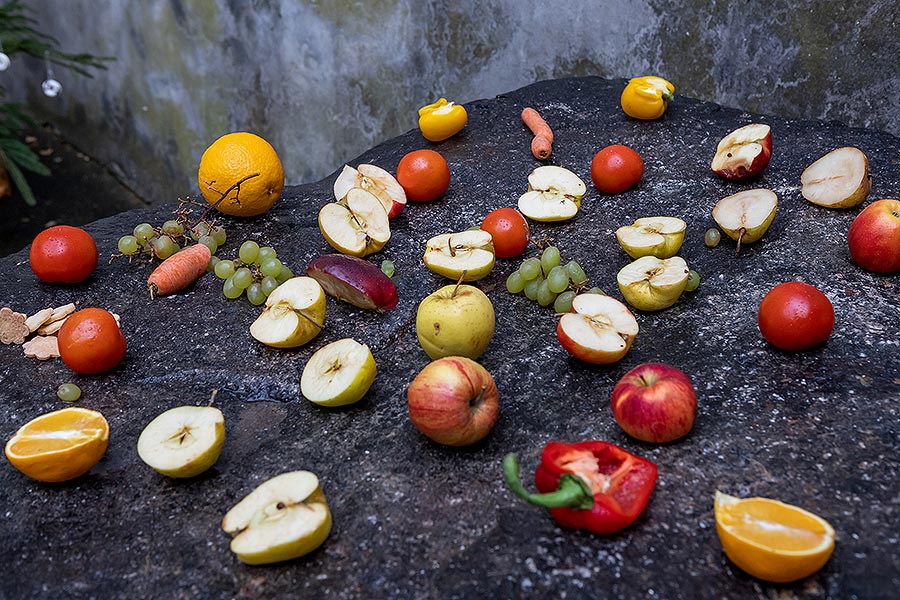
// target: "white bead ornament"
[[4, 61], [51, 88]]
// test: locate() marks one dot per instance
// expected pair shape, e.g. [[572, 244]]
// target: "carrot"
[[542, 144], [179, 271]]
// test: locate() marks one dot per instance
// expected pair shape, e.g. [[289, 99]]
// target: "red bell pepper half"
[[588, 485]]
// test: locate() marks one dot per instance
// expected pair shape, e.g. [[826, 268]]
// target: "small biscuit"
[[52, 327], [13, 329], [61, 312], [42, 347], [35, 321]]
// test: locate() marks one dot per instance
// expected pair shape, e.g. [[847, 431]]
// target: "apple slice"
[[374, 180], [283, 518], [452, 254], [554, 194], [652, 236], [744, 153], [599, 330], [840, 179], [338, 374], [183, 441], [356, 225], [354, 280], [746, 216], [294, 314], [651, 283]]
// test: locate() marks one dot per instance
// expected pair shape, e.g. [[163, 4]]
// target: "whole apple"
[[874, 237], [453, 401], [655, 403], [456, 320]]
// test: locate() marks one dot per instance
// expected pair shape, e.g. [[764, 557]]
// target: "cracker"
[[13, 329], [51, 327], [35, 321], [61, 312], [42, 347]]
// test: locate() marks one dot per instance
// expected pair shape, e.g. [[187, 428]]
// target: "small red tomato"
[[509, 231], [423, 175], [63, 254], [795, 316], [90, 341], [616, 168]]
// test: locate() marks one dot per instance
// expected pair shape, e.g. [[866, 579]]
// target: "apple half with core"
[[652, 236], [338, 374], [284, 518], [654, 403], [744, 153], [599, 330], [456, 320], [183, 441], [651, 283], [467, 254], [294, 314], [840, 179], [377, 182], [356, 225], [354, 280], [874, 237], [554, 194], [746, 216], [453, 401]]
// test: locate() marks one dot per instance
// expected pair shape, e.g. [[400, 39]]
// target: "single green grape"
[[249, 251], [271, 267], [172, 227], [387, 267], [576, 273], [530, 268], [213, 261], [268, 285], [549, 259], [693, 281], [218, 234], [515, 283], [285, 274], [209, 242], [545, 297], [255, 294], [230, 290], [563, 303], [266, 252], [68, 392], [596, 290], [712, 237], [531, 288], [225, 269], [128, 244], [144, 232], [199, 230], [163, 247], [558, 279], [242, 278]]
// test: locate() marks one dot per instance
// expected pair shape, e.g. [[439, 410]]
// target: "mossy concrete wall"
[[325, 80]]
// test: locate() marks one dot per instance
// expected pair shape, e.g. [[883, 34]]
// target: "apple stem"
[[572, 491], [459, 282], [741, 233], [212, 397]]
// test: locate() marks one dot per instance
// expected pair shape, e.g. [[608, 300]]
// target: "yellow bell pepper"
[[442, 120], [647, 97]]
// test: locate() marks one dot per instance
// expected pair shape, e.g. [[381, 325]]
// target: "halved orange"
[[772, 540], [59, 445]]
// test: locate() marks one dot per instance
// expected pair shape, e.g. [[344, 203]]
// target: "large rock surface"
[[416, 520]]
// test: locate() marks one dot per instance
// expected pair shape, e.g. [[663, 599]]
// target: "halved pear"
[[840, 179], [599, 330], [356, 225], [374, 180], [746, 216], [338, 374], [294, 314], [554, 194], [285, 517], [651, 283], [451, 254], [652, 236], [183, 441]]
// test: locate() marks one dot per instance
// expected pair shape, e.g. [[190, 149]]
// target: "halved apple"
[[294, 314], [354, 280], [183, 441], [554, 194], [338, 374], [651, 283], [356, 225], [599, 330], [285, 517], [374, 180], [840, 179], [451, 254], [744, 153], [652, 236], [746, 216]]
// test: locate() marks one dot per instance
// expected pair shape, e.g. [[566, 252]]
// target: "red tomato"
[[509, 230], [616, 168], [63, 254], [91, 342], [795, 316], [424, 175]]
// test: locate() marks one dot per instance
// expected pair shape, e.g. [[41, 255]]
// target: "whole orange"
[[235, 157], [90, 341], [424, 175]]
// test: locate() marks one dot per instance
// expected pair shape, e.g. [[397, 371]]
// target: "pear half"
[[652, 236], [746, 216], [554, 194], [451, 254]]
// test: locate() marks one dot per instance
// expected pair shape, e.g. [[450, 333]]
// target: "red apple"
[[454, 401], [744, 153], [874, 237], [599, 330], [655, 403]]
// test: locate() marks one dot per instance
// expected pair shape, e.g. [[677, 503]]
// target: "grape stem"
[[236, 185]]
